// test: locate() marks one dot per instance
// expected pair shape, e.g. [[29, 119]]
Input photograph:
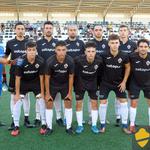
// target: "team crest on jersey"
[[103, 46], [77, 44], [129, 46], [119, 60], [148, 63], [95, 67], [53, 44], [37, 66], [65, 66]]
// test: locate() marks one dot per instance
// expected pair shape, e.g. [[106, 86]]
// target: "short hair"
[[90, 44], [19, 23], [30, 44], [142, 41], [60, 43], [113, 37], [48, 23], [72, 25], [123, 26], [97, 25]]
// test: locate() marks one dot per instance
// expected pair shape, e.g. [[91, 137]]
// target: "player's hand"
[[42, 95], [122, 86], [12, 62], [69, 96], [48, 98], [17, 97]]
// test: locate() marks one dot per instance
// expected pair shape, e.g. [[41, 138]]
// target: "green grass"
[[30, 139]]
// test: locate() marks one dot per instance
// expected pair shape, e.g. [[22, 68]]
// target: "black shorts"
[[80, 94], [135, 91], [63, 90], [105, 90], [12, 83], [33, 86]]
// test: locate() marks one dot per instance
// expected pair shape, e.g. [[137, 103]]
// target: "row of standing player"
[[46, 48]]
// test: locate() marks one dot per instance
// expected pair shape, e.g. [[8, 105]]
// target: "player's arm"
[[71, 80], [42, 85], [127, 72], [47, 81], [122, 85], [4, 61], [41, 75], [18, 75], [8, 50], [17, 87], [100, 72]]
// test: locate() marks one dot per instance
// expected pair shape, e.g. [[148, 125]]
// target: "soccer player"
[[101, 44], [75, 46], [46, 48], [128, 47], [59, 78], [16, 47], [101, 47], [140, 79], [116, 71], [29, 78], [86, 73]]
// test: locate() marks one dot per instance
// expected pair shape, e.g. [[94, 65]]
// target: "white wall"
[[89, 17], [61, 17], [6, 16], [117, 18], [33, 16], [144, 18]]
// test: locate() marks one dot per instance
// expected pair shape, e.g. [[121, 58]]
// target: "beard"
[[20, 35], [48, 34], [73, 36]]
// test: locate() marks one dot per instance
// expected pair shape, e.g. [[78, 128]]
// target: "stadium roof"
[[75, 6]]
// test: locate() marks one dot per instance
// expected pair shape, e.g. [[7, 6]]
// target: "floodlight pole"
[[47, 13], [104, 19], [17, 8], [76, 18], [18, 16], [131, 20], [47, 16]]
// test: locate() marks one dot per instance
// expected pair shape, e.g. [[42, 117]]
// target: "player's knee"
[[103, 101], [79, 105], [49, 105], [94, 104], [134, 103], [148, 101], [68, 104], [122, 100]]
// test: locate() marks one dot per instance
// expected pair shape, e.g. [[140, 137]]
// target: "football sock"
[[132, 116], [79, 115], [49, 118]]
